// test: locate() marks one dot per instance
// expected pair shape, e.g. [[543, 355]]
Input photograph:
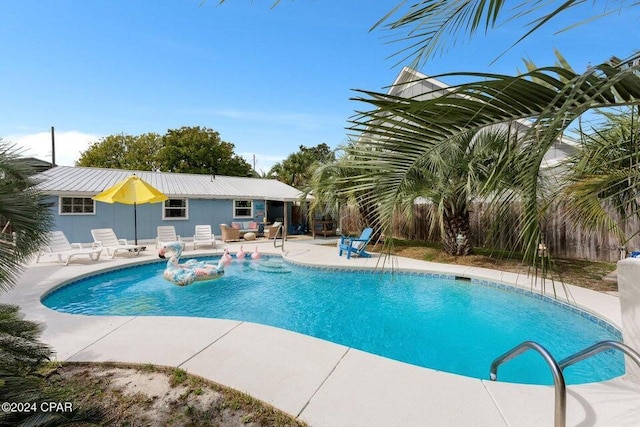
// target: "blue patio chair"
[[356, 246]]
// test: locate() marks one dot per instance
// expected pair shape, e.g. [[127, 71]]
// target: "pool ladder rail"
[[560, 415], [279, 232]]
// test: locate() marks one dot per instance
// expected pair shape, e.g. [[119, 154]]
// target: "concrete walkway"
[[320, 382]]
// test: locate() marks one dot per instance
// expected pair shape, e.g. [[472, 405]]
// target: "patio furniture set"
[[105, 239]]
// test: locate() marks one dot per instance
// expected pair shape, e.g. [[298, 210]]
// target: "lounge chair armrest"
[[76, 245], [122, 241], [95, 245]]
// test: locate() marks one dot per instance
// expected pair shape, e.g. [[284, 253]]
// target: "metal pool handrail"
[[275, 238], [558, 377], [597, 348]]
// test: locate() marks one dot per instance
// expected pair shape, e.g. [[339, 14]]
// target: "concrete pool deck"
[[321, 383]]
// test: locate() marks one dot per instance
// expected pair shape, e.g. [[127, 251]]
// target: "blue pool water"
[[440, 323]]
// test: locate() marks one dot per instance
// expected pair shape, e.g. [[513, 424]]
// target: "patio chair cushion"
[[245, 226]]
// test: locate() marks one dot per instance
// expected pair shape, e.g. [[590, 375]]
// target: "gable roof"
[[87, 182], [416, 85]]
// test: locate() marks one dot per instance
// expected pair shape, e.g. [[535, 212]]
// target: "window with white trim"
[[77, 206], [243, 208], [175, 209]]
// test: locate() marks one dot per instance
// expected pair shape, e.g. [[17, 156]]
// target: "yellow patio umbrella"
[[132, 191]]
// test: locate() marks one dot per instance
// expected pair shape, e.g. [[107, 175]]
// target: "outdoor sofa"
[[245, 227]]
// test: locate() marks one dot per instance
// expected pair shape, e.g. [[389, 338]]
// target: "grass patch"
[[178, 376], [148, 367], [587, 274]]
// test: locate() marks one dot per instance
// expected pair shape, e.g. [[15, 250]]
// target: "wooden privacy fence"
[[563, 238]]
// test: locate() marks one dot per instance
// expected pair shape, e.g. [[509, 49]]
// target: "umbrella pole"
[[135, 223]]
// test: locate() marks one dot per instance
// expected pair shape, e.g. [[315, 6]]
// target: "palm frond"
[[398, 134], [430, 27], [25, 208]]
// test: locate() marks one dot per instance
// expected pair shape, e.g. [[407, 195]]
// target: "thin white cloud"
[[68, 145], [263, 162]]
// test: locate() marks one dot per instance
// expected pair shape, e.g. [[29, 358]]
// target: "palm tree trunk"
[[456, 235]]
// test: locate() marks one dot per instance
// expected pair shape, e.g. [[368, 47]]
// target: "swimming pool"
[[436, 322]]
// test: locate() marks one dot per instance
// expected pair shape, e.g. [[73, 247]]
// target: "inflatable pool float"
[[189, 272]]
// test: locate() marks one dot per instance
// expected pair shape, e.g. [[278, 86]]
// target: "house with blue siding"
[[193, 200]]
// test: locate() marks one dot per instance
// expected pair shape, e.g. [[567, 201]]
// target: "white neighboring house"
[[416, 85]]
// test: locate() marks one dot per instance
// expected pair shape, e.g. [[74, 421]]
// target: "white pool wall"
[[629, 289]]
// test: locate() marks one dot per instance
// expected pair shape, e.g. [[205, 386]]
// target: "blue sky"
[[267, 79]]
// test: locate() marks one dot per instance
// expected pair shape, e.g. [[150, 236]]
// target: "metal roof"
[[82, 181]]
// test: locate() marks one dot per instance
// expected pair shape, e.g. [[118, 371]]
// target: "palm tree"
[[21, 354], [399, 133], [451, 176], [557, 96], [297, 169], [22, 361], [294, 170], [25, 209], [604, 174], [332, 189]]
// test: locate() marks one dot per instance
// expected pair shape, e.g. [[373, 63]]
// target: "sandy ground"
[[152, 397]]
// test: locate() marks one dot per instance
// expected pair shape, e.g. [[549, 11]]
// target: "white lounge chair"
[[166, 234], [203, 236], [105, 239], [59, 247]]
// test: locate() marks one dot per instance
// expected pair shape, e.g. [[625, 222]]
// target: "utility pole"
[[53, 147]]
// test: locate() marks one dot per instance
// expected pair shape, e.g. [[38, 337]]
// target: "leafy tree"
[[320, 153], [200, 150], [124, 152], [297, 169], [185, 150]]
